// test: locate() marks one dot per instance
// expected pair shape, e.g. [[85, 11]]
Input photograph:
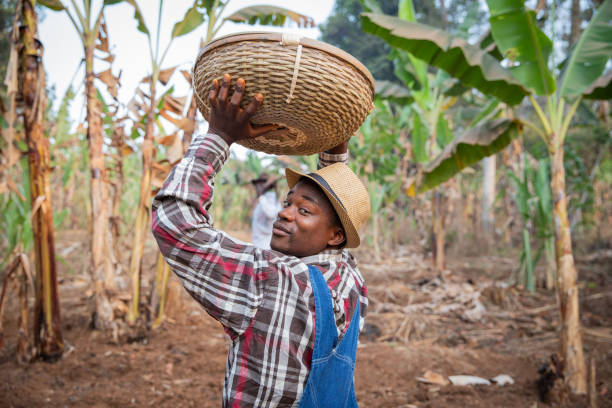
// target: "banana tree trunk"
[[26, 352], [438, 215], [549, 253], [571, 338], [99, 205], [143, 213], [19, 273], [159, 293], [117, 193], [47, 321], [488, 197]]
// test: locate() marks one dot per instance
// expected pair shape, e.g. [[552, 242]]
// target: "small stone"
[[468, 380], [502, 380]]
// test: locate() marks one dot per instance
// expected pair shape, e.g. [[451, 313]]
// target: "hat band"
[[324, 184]]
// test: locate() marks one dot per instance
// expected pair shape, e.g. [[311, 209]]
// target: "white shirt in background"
[[263, 217]]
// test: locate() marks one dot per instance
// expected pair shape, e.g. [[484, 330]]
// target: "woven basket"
[[318, 94]]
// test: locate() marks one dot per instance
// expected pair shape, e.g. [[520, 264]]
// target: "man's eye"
[[286, 204], [304, 211]]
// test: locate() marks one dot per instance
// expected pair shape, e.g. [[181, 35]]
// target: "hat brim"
[[351, 234]]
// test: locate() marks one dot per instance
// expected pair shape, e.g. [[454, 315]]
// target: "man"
[[265, 211], [293, 312]]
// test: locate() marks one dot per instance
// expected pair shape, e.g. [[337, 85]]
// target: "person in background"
[[265, 211]]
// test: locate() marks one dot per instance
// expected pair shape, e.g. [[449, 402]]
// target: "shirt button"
[[334, 294]]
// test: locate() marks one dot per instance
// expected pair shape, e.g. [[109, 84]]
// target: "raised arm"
[[223, 274]]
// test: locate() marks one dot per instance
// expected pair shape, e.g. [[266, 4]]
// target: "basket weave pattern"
[[330, 99]]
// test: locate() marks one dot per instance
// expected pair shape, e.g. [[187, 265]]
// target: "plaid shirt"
[[263, 298]]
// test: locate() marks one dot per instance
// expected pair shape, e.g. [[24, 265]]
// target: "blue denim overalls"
[[330, 382]]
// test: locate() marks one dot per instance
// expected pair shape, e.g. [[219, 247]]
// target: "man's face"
[[305, 226]]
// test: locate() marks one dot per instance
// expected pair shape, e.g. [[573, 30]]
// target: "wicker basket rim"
[[305, 41]]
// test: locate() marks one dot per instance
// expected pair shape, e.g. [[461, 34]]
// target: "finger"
[[252, 108], [225, 84], [214, 91], [237, 96]]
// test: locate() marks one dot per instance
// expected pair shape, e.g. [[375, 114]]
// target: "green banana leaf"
[[142, 27], [491, 106], [487, 43], [394, 92], [521, 41], [601, 89], [405, 70], [192, 20], [420, 135], [456, 89], [469, 149], [55, 5], [269, 15], [443, 132], [471, 65], [544, 209], [592, 53]]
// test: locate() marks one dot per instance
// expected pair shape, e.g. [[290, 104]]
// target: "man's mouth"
[[280, 230]]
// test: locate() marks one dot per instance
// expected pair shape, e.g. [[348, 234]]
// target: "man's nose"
[[286, 214]]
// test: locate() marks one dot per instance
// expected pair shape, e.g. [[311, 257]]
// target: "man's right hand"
[[227, 118]]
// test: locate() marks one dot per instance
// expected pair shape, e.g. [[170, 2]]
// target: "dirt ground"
[[464, 321]]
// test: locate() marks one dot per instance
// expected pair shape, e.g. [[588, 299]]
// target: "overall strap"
[[326, 334]]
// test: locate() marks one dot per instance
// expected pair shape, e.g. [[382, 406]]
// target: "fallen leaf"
[[431, 377]]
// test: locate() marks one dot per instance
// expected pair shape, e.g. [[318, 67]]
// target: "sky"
[[63, 50]]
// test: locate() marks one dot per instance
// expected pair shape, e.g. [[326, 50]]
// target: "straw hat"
[[317, 94], [345, 192]]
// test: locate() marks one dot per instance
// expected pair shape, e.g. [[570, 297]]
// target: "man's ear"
[[337, 238]]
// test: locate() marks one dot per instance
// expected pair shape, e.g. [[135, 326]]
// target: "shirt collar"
[[325, 256]]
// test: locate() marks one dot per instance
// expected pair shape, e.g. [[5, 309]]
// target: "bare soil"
[[465, 320]]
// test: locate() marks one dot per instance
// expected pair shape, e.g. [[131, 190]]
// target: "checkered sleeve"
[[221, 273]]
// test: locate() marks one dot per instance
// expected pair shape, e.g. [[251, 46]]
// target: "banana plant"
[[428, 100], [47, 328], [87, 21], [534, 203], [526, 73], [544, 219], [524, 200]]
